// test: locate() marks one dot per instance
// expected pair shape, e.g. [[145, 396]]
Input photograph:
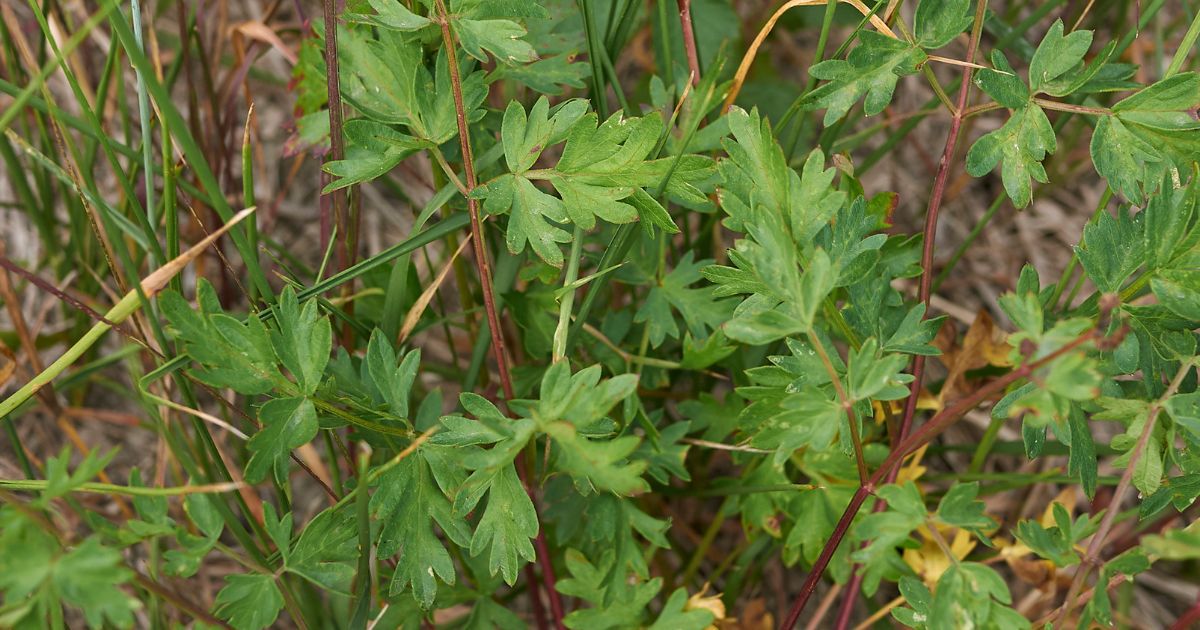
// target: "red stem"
[[938, 423], [689, 39], [499, 350], [926, 290], [1189, 618], [336, 147]]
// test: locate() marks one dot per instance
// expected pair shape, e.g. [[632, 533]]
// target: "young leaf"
[[288, 423], [1112, 250], [302, 340], [249, 601], [959, 508], [508, 524], [700, 311], [1057, 54], [391, 381]]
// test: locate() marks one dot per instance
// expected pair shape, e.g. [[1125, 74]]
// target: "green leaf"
[[873, 375], [249, 601], [1002, 83], [1057, 54], [232, 354], [603, 172], [598, 465], [302, 340], [1112, 250], [279, 529], [580, 399], [871, 70], [391, 14], [89, 577], [391, 381], [700, 310], [914, 333], [1019, 147], [622, 609], [756, 175], [387, 80], [508, 524], [886, 530], [1171, 230], [1179, 291], [938, 22], [1122, 158], [501, 38], [373, 149], [1175, 544], [959, 508], [409, 502], [676, 615], [326, 551], [528, 208], [288, 423], [549, 75]]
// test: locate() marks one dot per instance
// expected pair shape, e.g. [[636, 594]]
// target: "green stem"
[[568, 300]]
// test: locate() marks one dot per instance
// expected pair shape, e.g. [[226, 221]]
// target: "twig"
[[1091, 555], [926, 290], [689, 40], [489, 300], [938, 423], [847, 406], [336, 146]]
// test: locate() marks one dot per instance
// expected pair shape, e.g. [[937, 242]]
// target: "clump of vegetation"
[[602, 315]]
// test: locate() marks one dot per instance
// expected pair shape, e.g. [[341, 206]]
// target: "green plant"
[[694, 337]]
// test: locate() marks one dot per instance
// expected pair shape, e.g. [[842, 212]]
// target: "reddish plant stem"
[[336, 146], [926, 289], [938, 423], [499, 350], [1188, 619], [1092, 554], [689, 40]]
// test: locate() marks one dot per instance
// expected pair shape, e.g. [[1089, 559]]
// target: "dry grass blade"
[[414, 313], [752, 51]]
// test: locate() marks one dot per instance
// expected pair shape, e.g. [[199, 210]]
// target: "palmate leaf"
[[249, 601], [288, 423], [231, 354], [571, 403], [1149, 135], [1019, 148], [409, 502], [884, 531], [1112, 249], [700, 310], [302, 340], [1057, 54], [509, 520], [603, 172], [871, 70], [387, 80], [937, 22]]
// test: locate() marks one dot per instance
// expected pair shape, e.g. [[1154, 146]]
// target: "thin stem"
[[336, 145], [689, 40], [936, 425], [847, 406], [483, 265], [1090, 557]]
